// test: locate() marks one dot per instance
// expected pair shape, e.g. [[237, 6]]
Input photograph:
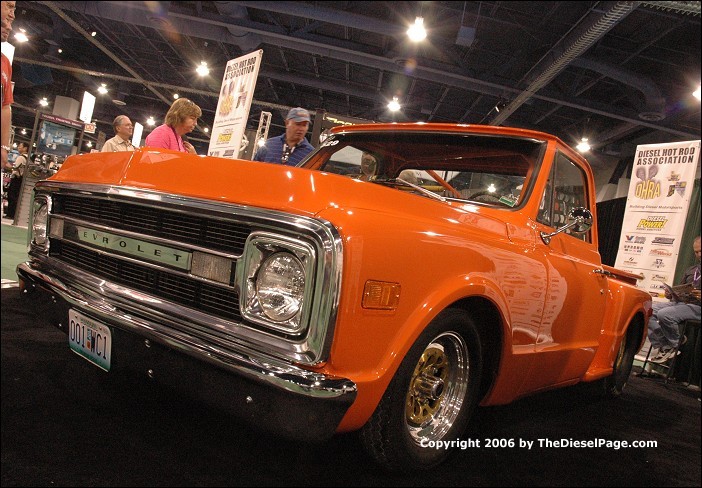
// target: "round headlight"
[[39, 224], [280, 286]]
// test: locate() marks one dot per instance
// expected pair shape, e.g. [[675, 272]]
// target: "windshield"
[[488, 169]]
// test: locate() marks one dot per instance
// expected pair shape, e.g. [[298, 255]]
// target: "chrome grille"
[[208, 232], [219, 301]]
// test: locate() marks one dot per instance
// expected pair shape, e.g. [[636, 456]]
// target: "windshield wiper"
[[424, 191]]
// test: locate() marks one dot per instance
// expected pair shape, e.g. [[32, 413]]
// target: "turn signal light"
[[380, 295]]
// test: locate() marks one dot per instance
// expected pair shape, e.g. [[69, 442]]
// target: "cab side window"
[[566, 189]]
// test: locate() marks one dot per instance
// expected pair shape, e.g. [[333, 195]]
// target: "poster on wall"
[[656, 209], [235, 96]]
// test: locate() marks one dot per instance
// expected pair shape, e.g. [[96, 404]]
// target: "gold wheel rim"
[[427, 386]]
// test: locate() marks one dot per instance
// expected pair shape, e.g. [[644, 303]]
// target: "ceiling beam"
[[206, 25], [92, 40]]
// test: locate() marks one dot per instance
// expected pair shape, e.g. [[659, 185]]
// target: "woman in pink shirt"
[[180, 120]]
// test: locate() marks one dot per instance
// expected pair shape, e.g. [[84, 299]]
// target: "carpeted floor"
[[14, 249], [65, 423]]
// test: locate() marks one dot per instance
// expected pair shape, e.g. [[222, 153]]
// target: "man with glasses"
[[122, 141]]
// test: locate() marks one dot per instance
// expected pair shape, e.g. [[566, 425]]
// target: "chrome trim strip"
[[170, 318], [148, 264], [252, 364], [139, 235]]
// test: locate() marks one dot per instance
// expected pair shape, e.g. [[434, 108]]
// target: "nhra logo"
[[647, 188], [652, 223], [660, 252]]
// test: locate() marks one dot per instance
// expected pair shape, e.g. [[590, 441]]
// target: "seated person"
[[664, 324], [369, 166]]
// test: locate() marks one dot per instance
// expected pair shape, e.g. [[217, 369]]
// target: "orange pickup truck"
[[399, 277]]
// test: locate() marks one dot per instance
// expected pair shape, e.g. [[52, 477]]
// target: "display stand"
[[25, 198], [54, 137]]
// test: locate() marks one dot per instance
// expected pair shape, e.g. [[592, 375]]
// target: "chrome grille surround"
[[204, 309]]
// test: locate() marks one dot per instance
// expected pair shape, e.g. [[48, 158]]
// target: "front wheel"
[[431, 397]]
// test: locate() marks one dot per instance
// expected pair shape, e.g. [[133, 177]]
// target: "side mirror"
[[579, 220]]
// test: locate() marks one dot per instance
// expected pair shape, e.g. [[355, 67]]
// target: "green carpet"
[[14, 250]]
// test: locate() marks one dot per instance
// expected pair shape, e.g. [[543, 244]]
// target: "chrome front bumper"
[[264, 390]]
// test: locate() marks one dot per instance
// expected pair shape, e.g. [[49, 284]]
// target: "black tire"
[[425, 403], [614, 385]]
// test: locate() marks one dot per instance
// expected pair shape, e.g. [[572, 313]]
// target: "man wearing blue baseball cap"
[[289, 148]]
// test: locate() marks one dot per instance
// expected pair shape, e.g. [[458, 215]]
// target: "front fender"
[[374, 380]]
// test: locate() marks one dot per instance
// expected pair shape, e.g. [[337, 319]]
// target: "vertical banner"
[[235, 96], [656, 209]]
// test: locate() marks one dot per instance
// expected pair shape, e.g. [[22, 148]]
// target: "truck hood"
[[261, 185]]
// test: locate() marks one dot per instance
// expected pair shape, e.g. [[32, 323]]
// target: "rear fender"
[[625, 308]]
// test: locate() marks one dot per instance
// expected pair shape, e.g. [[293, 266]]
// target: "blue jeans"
[[664, 324]]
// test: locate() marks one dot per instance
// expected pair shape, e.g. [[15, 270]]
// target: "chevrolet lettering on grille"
[[132, 247]]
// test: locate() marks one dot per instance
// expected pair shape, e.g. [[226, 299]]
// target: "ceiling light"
[[44, 102], [696, 93], [203, 70], [261, 142], [416, 32], [583, 146], [93, 33], [176, 96], [60, 50], [21, 36], [24, 131], [119, 100], [102, 89], [499, 106], [491, 188], [89, 144], [394, 106], [150, 121], [206, 130]]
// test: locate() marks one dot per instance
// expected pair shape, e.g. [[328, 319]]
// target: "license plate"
[[90, 339]]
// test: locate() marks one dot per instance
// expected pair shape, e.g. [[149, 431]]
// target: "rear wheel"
[[431, 397], [623, 363]]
